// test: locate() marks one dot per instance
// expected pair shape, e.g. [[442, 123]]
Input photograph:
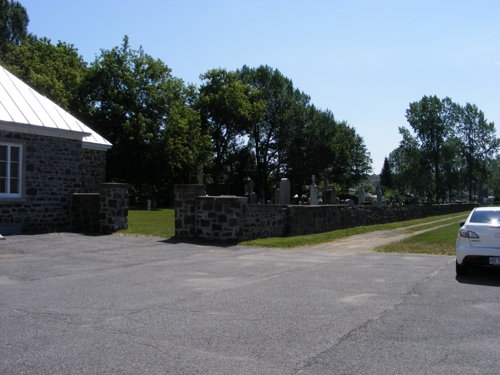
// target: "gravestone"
[[379, 195], [249, 184], [313, 193], [361, 195], [249, 193], [252, 198], [333, 197], [285, 191]]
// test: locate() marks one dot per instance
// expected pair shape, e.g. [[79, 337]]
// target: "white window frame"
[[8, 194]]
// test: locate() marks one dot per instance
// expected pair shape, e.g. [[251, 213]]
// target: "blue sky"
[[363, 60]]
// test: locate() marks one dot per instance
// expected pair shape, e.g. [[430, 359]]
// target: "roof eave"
[[95, 146], [39, 130]]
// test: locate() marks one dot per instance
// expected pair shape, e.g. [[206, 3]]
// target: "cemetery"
[[235, 218]]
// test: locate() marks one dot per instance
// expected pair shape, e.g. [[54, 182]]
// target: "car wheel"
[[461, 269]]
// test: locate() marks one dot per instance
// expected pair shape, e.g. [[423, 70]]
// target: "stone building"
[[46, 156]]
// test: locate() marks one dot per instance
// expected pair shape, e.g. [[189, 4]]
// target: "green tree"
[[432, 120], [328, 149], [229, 108], [13, 24], [55, 71], [452, 166], [494, 175], [386, 175], [133, 101], [285, 112], [410, 169], [478, 143], [351, 162]]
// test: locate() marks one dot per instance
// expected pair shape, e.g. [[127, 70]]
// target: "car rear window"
[[485, 217]]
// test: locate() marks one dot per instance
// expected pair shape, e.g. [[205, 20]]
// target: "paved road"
[[74, 304]]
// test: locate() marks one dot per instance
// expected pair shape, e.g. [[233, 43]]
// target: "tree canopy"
[[13, 24], [450, 150], [252, 120], [55, 71], [133, 101]]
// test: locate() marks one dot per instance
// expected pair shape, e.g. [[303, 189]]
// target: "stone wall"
[[113, 213], [185, 208], [85, 209], [232, 218], [93, 170], [316, 219], [50, 176], [103, 212], [262, 221], [220, 217]]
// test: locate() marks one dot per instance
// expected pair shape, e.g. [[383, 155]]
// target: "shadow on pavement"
[[199, 242], [481, 276]]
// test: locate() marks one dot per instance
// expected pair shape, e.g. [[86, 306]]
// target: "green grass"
[[319, 238], [157, 223], [440, 241], [454, 221]]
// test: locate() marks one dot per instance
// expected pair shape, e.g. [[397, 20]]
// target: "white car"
[[478, 240]]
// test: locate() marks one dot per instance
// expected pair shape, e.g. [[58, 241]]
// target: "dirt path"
[[365, 243]]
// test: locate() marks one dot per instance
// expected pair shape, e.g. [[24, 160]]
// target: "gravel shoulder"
[[367, 242]]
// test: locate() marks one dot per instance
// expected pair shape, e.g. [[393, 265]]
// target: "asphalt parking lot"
[[75, 304]]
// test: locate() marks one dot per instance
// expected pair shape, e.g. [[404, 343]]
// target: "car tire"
[[461, 269]]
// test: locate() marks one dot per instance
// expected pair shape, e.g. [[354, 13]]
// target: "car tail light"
[[467, 233]]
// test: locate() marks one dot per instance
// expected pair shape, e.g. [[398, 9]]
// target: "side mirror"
[[462, 224]]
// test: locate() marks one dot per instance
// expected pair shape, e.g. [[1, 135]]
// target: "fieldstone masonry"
[[220, 217], [85, 212], [232, 218], [113, 213], [104, 212], [185, 208], [56, 171], [93, 170], [51, 175]]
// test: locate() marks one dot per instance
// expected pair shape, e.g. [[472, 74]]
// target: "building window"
[[10, 170]]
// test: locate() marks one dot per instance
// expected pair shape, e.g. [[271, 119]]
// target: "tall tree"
[[229, 109], [432, 120], [411, 171], [133, 100], [322, 146], [13, 24], [352, 159], [284, 113], [452, 166], [386, 175], [478, 143], [494, 175]]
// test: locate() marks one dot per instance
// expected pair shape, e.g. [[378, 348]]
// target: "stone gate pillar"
[[185, 208], [113, 214]]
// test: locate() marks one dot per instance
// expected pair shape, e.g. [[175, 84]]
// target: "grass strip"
[[440, 241], [319, 238], [161, 223], [454, 220], [157, 223]]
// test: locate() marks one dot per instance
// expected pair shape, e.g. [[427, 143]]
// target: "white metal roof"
[[24, 110]]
